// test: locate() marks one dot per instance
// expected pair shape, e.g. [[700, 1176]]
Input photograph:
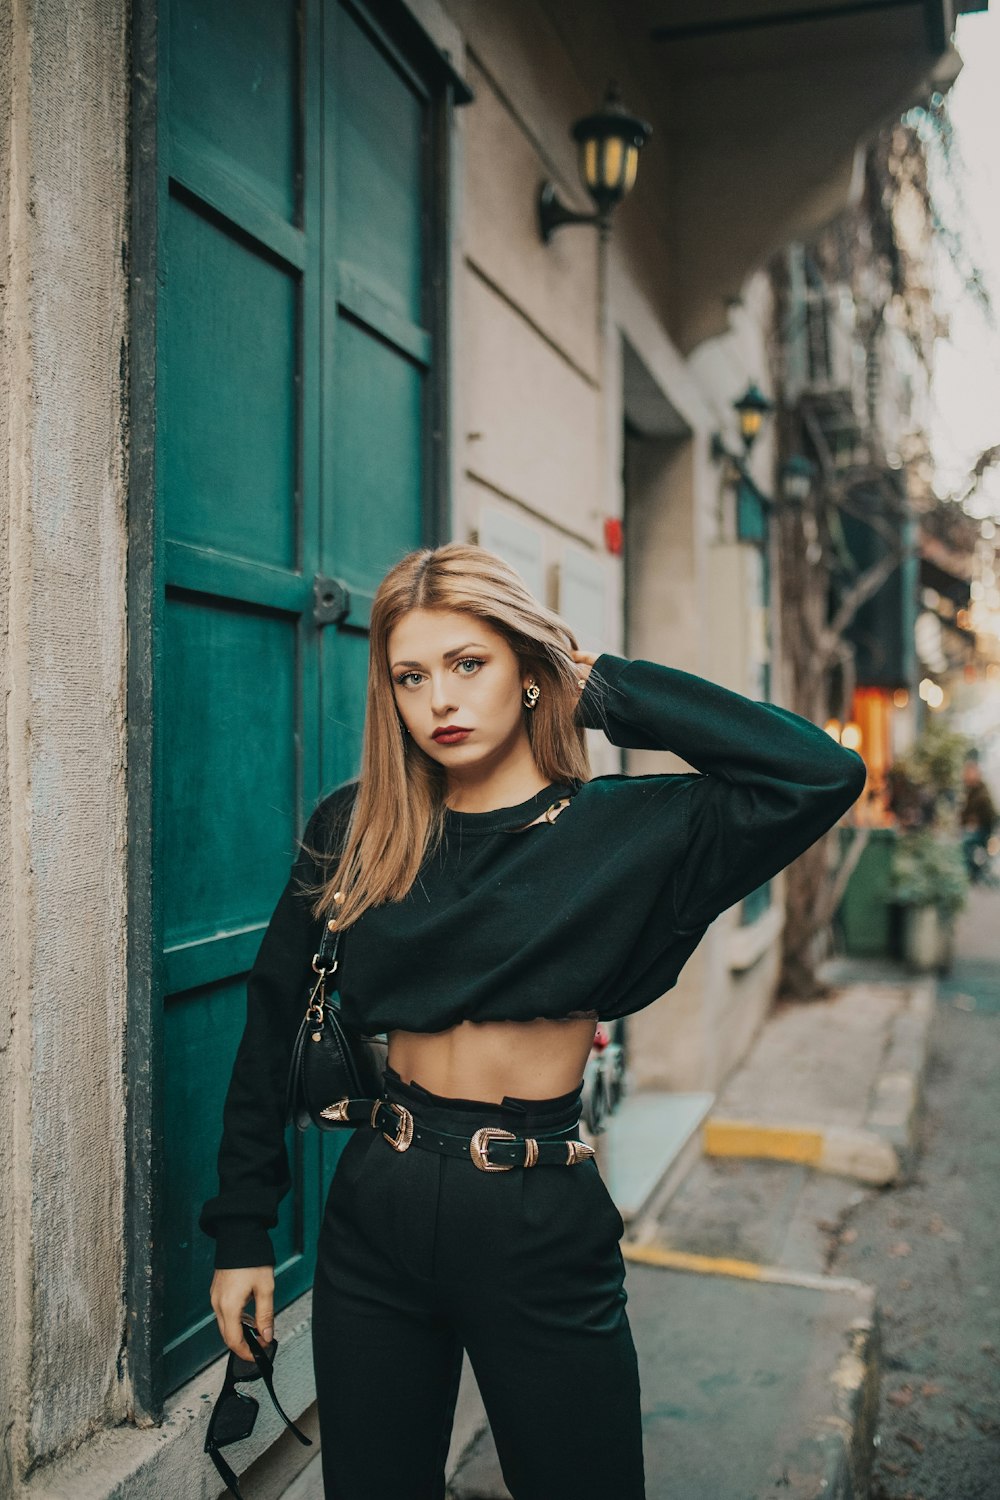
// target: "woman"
[[494, 901]]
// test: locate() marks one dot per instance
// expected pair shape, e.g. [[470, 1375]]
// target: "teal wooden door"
[[295, 382]]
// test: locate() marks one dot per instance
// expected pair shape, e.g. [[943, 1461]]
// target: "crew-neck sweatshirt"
[[592, 912]]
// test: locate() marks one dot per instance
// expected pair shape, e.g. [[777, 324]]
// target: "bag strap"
[[326, 957]]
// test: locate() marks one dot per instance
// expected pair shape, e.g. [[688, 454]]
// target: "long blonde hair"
[[398, 812]]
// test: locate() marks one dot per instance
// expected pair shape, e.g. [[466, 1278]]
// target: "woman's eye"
[[477, 661]]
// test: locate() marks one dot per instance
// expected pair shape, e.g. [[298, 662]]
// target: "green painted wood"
[[366, 306], [229, 384], [198, 168], [204, 570], [867, 916], [378, 164], [297, 335], [234, 80], [206, 960]]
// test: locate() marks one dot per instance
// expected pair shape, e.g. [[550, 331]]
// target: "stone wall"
[[63, 363]]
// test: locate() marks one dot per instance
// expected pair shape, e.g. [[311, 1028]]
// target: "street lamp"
[[797, 476], [608, 145], [752, 407]]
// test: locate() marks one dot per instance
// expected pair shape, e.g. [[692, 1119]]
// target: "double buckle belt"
[[490, 1148]]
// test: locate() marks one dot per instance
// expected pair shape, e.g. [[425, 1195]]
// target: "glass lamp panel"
[[589, 165], [613, 164], [750, 423], [631, 167]]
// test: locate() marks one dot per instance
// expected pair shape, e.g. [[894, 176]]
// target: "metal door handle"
[[332, 600]]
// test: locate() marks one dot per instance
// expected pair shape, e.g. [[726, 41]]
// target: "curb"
[[883, 1147], [894, 1109], [864, 1154], [841, 1446], [745, 1270], [848, 1445]]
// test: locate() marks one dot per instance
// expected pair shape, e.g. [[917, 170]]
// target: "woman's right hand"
[[230, 1292]]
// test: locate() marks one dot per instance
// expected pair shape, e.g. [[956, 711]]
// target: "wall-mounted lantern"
[[797, 476], [752, 407], [753, 505], [608, 145]]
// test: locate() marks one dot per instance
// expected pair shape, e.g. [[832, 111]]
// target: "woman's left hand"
[[584, 661]]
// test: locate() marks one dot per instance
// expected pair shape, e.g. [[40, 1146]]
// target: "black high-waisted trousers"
[[420, 1255]]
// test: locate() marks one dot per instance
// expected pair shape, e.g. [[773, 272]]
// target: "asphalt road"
[[931, 1245]]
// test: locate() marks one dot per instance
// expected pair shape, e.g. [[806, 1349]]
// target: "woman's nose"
[[441, 702]]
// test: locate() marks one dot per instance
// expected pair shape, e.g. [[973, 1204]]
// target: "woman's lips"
[[451, 738]]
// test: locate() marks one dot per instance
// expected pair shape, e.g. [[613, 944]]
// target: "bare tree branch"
[[868, 584]]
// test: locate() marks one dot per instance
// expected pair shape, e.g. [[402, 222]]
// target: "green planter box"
[[868, 920]]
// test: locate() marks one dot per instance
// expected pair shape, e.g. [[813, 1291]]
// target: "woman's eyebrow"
[[445, 655]]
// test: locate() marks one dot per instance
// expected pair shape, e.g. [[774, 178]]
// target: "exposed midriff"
[[537, 1059]]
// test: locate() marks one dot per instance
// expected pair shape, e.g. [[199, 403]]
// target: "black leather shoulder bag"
[[330, 1062]]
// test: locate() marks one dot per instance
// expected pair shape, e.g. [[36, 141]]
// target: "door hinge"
[[332, 600]]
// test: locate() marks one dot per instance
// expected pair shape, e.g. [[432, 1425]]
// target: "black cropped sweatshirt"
[[595, 911]]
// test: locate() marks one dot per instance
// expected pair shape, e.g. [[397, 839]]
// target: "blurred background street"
[[930, 1246]]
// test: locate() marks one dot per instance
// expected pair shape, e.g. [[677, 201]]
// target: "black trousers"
[[421, 1255]]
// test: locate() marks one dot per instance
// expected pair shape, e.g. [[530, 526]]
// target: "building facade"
[[276, 310]]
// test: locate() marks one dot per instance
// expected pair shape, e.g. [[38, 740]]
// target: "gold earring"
[[531, 694]]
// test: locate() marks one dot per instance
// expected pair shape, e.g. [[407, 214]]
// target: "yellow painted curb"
[[745, 1270], [746, 1138], [682, 1260]]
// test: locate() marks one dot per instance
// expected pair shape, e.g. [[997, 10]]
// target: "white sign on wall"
[[518, 543], [583, 595]]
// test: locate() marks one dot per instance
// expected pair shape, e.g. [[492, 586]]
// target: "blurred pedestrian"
[[911, 804], [977, 816]]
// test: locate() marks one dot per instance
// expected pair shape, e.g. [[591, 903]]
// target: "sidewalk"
[[747, 1389], [760, 1372]]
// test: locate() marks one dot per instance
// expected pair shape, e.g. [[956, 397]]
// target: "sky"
[[966, 389]]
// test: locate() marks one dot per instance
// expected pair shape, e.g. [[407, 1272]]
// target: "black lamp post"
[[608, 143]]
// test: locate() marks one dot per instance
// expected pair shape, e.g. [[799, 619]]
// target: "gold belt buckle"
[[479, 1145], [404, 1133]]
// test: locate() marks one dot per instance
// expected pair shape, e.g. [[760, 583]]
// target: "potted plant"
[[927, 873], [929, 880]]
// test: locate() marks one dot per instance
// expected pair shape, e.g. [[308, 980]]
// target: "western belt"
[[490, 1148]]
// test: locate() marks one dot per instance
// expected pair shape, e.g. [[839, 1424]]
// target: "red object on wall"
[[614, 535]]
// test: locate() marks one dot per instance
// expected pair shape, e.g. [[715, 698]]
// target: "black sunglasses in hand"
[[235, 1413]]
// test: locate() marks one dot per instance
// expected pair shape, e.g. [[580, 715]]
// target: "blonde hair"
[[399, 811]]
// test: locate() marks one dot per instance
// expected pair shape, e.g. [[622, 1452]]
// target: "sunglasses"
[[235, 1413]]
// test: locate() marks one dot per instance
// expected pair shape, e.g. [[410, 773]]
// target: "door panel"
[[378, 460], [229, 809], [294, 355], [379, 119], [234, 78], [230, 361]]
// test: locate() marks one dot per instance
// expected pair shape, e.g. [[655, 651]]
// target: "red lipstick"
[[450, 734]]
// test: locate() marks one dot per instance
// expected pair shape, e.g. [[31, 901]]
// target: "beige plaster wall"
[[528, 419], [666, 1040], [63, 136], [539, 405]]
